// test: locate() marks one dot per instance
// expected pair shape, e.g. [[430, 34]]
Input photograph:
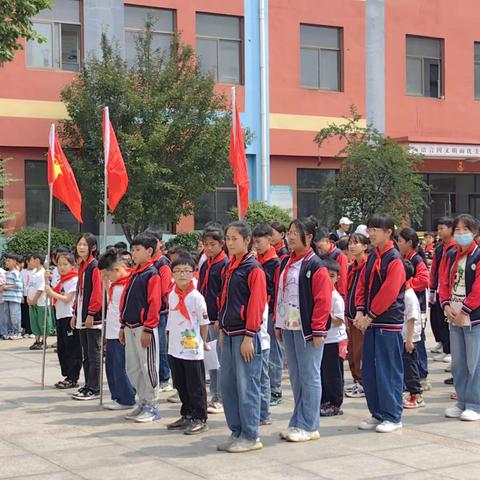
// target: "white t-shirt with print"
[[459, 289], [65, 309], [288, 304], [412, 310], [338, 333], [112, 327], [26, 277], [37, 282], [184, 340]]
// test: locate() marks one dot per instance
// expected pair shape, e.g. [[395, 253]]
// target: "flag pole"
[[47, 257], [234, 119]]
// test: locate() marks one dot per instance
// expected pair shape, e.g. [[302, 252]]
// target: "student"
[[187, 329], [12, 298], [139, 317], [242, 304], [278, 239], [69, 349], [120, 246], [429, 244], [408, 244], [210, 286], [358, 246], [460, 299], [87, 315], [327, 248], [3, 320], [303, 305], [26, 275], [334, 350], [343, 227], [412, 334], [380, 314]]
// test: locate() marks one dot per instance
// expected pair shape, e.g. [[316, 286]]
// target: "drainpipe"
[[263, 101]]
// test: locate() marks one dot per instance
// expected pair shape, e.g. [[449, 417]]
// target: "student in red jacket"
[[278, 239], [242, 304], [380, 314]]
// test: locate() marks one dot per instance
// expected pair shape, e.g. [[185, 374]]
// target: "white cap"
[[362, 229], [345, 221]]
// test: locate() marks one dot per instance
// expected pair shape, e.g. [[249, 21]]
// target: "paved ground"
[[46, 435]]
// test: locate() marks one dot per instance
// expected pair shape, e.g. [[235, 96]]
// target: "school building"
[[411, 68]]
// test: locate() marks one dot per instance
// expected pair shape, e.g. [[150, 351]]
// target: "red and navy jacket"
[[244, 296], [210, 283], [336, 254], [471, 304], [141, 301], [89, 287], [314, 294], [440, 251], [162, 264], [355, 269], [381, 289], [271, 266], [420, 279], [281, 249]]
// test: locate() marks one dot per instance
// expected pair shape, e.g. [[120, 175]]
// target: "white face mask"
[[463, 239]]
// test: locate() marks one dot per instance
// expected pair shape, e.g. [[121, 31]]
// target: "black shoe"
[[448, 381], [181, 424], [195, 427], [36, 346], [87, 395]]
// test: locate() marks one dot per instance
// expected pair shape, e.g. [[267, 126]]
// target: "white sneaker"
[[448, 369], [447, 359], [453, 412], [356, 392], [300, 435], [114, 405], [388, 427], [215, 407], [134, 413], [241, 445], [165, 387], [284, 433], [369, 424], [437, 348], [149, 414], [470, 416], [439, 357]]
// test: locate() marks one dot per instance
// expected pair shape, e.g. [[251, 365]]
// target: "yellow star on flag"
[[57, 167]]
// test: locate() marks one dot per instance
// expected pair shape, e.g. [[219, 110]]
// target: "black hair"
[[108, 260], [68, 256], [431, 234], [91, 240], [409, 269], [306, 226], [146, 241], [383, 221], [359, 238], [39, 256], [158, 234], [279, 227], [178, 250], [342, 244], [215, 233], [470, 222], [183, 260], [321, 234], [331, 264], [13, 256], [447, 221], [242, 227], [262, 230], [124, 252], [410, 235], [121, 246]]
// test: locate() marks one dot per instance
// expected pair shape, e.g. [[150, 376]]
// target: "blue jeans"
[[276, 358], [118, 382], [13, 314], [304, 361], [382, 373], [163, 367], [240, 386], [3, 320], [422, 356], [265, 387], [465, 347], [214, 374]]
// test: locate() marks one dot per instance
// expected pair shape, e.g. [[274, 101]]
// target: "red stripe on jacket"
[[257, 284]]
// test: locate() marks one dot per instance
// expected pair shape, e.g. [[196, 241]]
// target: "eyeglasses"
[[182, 272], [373, 229], [292, 233]]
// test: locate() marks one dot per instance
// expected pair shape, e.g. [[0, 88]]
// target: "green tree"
[[15, 23], [377, 176], [4, 181], [169, 123], [260, 212]]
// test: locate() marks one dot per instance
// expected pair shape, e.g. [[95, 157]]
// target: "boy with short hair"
[[139, 317], [12, 298], [187, 329]]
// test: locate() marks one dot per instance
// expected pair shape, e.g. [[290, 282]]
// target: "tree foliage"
[[260, 212], [188, 240], [4, 181], [170, 124], [15, 23], [377, 176]]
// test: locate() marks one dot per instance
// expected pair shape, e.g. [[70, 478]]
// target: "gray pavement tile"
[[48, 476], [276, 472], [467, 471], [18, 465]]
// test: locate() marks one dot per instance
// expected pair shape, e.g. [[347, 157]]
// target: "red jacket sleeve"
[[95, 303], [389, 290], [154, 301], [322, 302], [472, 301], [360, 292], [444, 290], [165, 281], [433, 269], [421, 279], [258, 299], [342, 278]]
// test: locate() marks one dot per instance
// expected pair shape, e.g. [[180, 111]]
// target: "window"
[[477, 69], [320, 53], [60, 26], [424, 66], [310, 183], [214, 206], [163, 28], [219, 47]]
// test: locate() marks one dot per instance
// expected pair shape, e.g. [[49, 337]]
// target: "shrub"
[[260, 212], [187, 240]]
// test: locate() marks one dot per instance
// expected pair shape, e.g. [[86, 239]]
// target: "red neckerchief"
[[234, 264], [355, 268], [448, 246], [458, 257], [279, 246], [293, 259], [330, 249], [210, 263], [410, 255], [182, 294], [408, 284], [378, 262], [63, 278], [81, 271], [121, 281], [267, 256], [429, 247]]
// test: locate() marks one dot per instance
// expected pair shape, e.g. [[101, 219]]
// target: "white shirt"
[[112, 327], [459, 289], [264, 336], [412, 310], [65, 309], [2, 282], [37, 282], [338, 333], [288, 304], [26, 277], [184, 339], [55, 277]]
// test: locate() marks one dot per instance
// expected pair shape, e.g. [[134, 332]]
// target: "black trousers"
[[189, 380], [440, 326], [25, 316], [411, 375], [91, 351], [69, 350], [332, 375]]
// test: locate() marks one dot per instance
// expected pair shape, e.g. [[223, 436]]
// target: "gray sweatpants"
[[142, 366]]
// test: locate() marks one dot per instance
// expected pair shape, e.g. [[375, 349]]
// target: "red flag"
[[238, 160], [117, 177], [61, 178]]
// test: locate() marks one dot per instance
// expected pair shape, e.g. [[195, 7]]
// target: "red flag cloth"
[[238, 161], [117, 177], [61, 177]]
